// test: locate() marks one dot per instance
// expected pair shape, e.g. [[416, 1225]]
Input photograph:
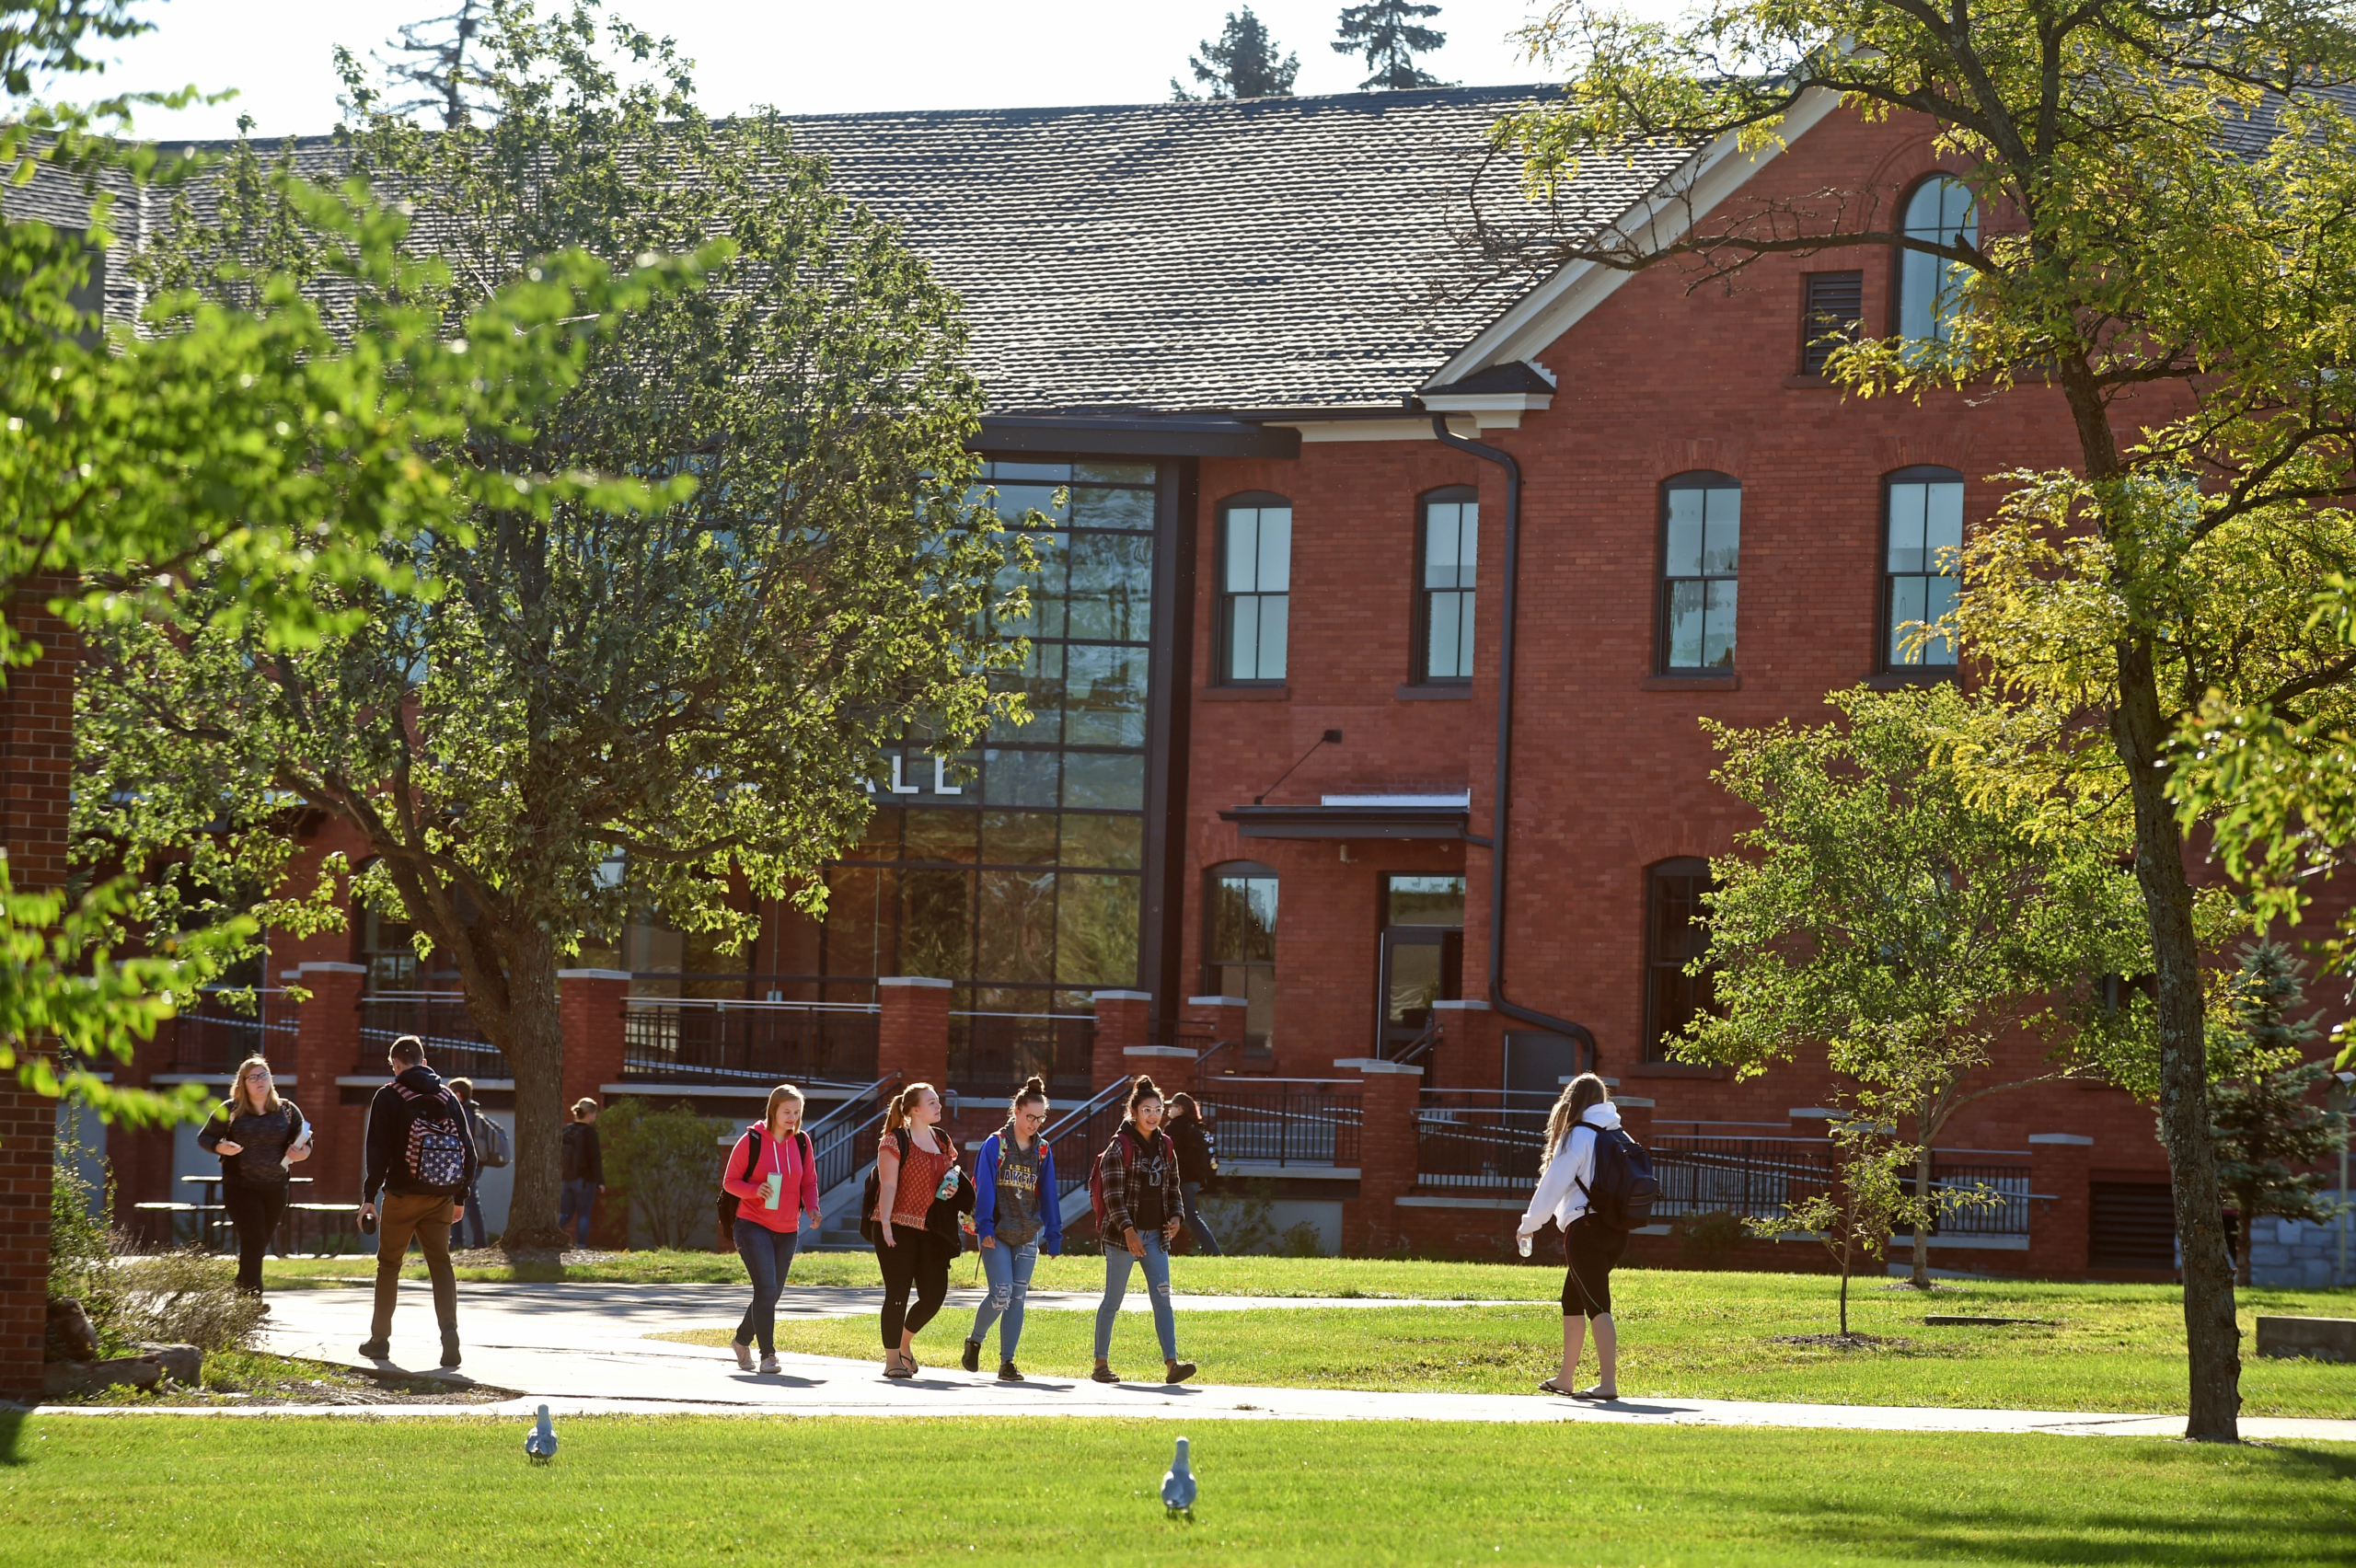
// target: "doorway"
[[1422, 956]]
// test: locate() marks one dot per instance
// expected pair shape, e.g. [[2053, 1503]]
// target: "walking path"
[[582, 1349]]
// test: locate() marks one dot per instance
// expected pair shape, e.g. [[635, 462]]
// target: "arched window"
[[1939, 211], [1921, 549], [1701, 550], [1256, 588], [1448, 555], [1240, 942], [1676, 933]]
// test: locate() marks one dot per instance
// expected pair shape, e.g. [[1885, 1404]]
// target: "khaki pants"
[[400, 1216]]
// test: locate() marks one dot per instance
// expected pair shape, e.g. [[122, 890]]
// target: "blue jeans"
[[767, 1254], [1116, 1285], [1190, 1193], [1010, 1269], [573, 1209], [470, 1218]]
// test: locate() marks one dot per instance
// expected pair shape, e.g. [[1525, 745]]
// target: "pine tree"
[[2265, 1125], [1242, 65], [431, 61], [1385, 32]]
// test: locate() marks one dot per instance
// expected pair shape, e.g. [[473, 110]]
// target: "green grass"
[[232, 1377], [2109, 1347], [684, 1492]]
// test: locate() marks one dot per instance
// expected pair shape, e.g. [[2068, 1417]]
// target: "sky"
[[801, 56]]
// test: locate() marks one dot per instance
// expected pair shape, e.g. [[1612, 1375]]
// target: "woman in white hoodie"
[[1591, 1246]]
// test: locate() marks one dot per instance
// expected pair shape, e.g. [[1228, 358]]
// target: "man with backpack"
[[491, 1148], [421, 1160], [1598, 1188]]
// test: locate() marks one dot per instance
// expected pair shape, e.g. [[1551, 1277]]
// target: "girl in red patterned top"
[[917, 1174]]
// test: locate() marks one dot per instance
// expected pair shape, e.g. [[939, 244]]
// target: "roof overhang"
[[1135, 435], [1357, 816], [1698, 186]]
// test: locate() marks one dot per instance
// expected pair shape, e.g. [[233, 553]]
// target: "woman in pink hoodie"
[[774, 1180]]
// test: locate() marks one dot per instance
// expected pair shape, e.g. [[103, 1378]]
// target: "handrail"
[[1071, 1175], [1421, 1047], [869, 1095], [1217, 1046], [731, 1004]]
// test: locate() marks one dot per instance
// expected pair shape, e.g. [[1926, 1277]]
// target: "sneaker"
[[1105, 1375], [972, 1360], [376, 1350], [449, 1350], [769, 1364], [1179, 1372], [744, 1355], [1008, 1373]]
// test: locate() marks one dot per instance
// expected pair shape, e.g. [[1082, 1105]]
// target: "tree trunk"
[[1922, 1277], [1844, 1288], [2213, 1340], [2244, 1210], [534, 1048]]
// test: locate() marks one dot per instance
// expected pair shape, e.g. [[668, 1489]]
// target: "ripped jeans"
[[1009, 1270], [1157, 1284]]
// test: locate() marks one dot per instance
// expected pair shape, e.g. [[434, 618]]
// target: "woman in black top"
[[1197, 1163], [259, 1136]]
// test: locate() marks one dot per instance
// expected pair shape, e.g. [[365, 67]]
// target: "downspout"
[[1498, 826]]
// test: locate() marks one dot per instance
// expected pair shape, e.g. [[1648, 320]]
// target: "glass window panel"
[[1684, 547], [940, 834], [1053, 473], [882, 839], [1243, 550], [1274, 610], [1276, 549], [1041, 681], [1943, 525], [937, 924], [860, 901], [1685, 624], [1414, 979], [1019, 838], [1724, 536], [1019, 777], [1116, 841], [1104, 783], [1092, 508], [1444, 637], [1424, 900], [1906, 504], [1939, 210], [1449, 544], [1098, 471], [1243, 921], [1096, 929], [1105, 704], [1243, 638], [1941, 602], [1111, 593], [1717, 625], [1906, 605], [1013, 501], [1016, 928]]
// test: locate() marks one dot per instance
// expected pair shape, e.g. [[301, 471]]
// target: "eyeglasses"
[[261, 1076]]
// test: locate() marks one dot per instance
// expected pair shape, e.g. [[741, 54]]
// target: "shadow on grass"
[[12, 1427]]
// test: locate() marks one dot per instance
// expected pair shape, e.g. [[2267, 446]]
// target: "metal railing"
[[226, 1025], [843, 1139], [1078, 1135], [1753, 1178], [1282, 1120], [454, 1046], [1480, 1137], [992, 1053], [1420, 1048], [688, 1040], [1995, 1199]]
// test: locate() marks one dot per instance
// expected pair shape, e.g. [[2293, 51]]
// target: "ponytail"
[[902, 1103], [1141, 1090]]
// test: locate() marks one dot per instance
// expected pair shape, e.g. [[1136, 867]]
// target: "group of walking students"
[[422, 1161]]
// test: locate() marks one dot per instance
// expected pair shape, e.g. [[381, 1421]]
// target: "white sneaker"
[[744, 1355], [768, 1363]]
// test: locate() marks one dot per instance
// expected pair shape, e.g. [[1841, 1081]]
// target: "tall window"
[[1923, 511], [1701, 547], [1675, 935], [1448, 561], [1939, 211], [1255, 587], [1240, 945], [1833, 314]]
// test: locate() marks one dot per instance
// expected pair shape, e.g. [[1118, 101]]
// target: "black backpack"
[[1623, 1192]]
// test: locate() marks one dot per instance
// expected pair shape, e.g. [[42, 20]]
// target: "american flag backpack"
[[435, 1154]]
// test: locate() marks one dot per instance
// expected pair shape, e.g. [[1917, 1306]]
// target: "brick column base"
[[1217, 1018], [2057, 1226], [327, 1046], [1123, 1018], [1389, 1094], [912, 1035], [1472, 1052], [27, 1149]]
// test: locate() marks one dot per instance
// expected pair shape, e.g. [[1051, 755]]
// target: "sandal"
[[898, 1366], [1554, 1386], [1597, 1394]]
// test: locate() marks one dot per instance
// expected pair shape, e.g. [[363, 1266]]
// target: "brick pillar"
[[27, 1145], [1215, 1018], [1635, 1117], [1389, 1094], [1172, 1067], [589, 1007], [912, 1036], [2057, 1227], [1471, 1052], [1123, 1018], [327, 1046]]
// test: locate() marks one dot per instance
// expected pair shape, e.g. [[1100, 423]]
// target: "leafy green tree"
[[1884, 909], [260, 445], [605, 712], [1866, 1200], [1390, 34], [1242, 65], [2266, 1128], [2163, 233]]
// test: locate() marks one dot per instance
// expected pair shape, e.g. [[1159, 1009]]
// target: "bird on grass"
[[1178, 1487], [540, 1443]]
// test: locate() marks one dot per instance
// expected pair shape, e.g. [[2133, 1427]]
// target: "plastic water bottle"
[[948, 1188], [1522, 1242]]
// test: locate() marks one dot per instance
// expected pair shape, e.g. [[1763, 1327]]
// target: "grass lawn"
[[2107, 1347], [691, 1491]]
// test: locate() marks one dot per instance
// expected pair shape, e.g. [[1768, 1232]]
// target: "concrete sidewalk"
[[582, 1350]]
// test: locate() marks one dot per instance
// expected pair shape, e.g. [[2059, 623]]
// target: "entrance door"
[[1423, 955]]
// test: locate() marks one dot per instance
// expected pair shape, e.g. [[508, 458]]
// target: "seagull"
[[1178, 1486], [540, 1443]]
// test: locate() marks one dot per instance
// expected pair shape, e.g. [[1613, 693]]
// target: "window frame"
[[1664, 584], [1884, 593], [1223, 608], [1420, 597], [1649, 1046], [1212, 979], [1808, 335], [1902, 251]]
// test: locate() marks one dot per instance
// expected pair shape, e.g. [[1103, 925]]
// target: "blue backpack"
[[1624, 1190]]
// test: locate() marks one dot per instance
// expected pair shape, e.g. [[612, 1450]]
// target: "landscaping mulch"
[[243, 1378], [1843, 1341]]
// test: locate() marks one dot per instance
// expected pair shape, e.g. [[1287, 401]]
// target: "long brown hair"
[[1579, 1094], [240, 1098], [779, 1096], [904, 1102]]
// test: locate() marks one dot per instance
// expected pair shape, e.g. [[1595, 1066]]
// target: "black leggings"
[[920, 1259], [1591, 1248], [255, 1212]]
